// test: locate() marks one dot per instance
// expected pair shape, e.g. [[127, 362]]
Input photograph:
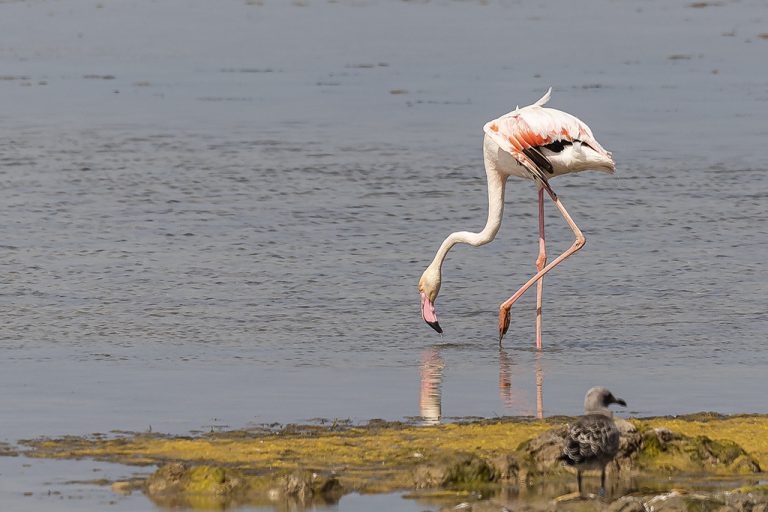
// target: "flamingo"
[[536, 143]]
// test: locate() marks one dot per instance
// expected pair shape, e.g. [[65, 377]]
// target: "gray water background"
[[216, 214]]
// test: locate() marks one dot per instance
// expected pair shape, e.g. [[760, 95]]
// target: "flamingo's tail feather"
[[544, 99]]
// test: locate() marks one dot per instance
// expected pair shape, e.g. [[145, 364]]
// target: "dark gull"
[[593, 441]]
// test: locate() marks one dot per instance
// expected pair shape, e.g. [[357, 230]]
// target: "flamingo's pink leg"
[[539, 388], [541, 261], [577, 244]]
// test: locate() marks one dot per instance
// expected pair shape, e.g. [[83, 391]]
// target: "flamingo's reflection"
[[430, 394], [514, 399], [539, 387]]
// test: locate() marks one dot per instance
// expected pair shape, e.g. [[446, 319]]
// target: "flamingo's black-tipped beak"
[[428, 313], [435, 326]]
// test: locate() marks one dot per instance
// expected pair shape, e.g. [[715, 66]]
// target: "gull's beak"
[[620, 401], [428, 313]]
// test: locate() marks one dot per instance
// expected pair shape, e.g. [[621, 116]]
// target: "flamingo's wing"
[[514, 134], [524, 131]]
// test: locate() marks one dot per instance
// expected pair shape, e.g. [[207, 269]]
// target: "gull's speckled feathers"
[[591, 442]]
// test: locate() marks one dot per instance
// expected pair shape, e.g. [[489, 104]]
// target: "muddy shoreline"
[[708, 458]]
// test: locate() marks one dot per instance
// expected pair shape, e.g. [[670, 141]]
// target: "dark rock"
[[746, 501], [305, 485], [541, 454], [733, 501], [469, 473], [180, 479], [6, 450], [182, 486], [166, 478], [428, 476], [662, 449], [506, 466], [463, 472], [682, 502], [627, 504]]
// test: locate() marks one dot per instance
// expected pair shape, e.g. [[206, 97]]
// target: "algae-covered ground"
[[488, 457], [748, 431]]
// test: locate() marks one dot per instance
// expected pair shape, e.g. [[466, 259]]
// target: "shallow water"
[[30, 485], [218, 217]]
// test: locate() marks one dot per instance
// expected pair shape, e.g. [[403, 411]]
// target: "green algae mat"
[[313, 462]]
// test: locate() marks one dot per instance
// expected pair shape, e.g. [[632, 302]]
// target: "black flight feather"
[[538, 158]]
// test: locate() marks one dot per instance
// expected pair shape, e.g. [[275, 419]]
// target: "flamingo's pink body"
[[536, 143]]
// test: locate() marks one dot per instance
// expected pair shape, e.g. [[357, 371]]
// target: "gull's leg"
[[572, 495], [577, 244], [541, 261], [602, 483]]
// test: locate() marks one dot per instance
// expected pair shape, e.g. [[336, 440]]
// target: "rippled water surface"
[[217, 216]]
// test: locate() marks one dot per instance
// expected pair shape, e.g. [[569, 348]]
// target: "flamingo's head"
[[592, 156], [429, 287]]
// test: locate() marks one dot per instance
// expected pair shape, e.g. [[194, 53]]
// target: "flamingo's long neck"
[[496, 184]]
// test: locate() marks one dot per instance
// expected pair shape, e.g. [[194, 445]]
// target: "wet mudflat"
[[216, 218]]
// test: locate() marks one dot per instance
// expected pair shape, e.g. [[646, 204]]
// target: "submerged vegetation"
[[311, 464]]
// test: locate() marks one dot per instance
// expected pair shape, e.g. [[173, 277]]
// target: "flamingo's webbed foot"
[[504, 319]]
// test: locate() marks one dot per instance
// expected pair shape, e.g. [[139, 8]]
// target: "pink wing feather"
[[534, 126]]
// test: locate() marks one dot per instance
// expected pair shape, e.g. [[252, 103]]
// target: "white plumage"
[[563, 140], [532, 142]]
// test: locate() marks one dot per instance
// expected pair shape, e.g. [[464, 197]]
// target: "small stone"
[[121, 487], [625, 427]]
